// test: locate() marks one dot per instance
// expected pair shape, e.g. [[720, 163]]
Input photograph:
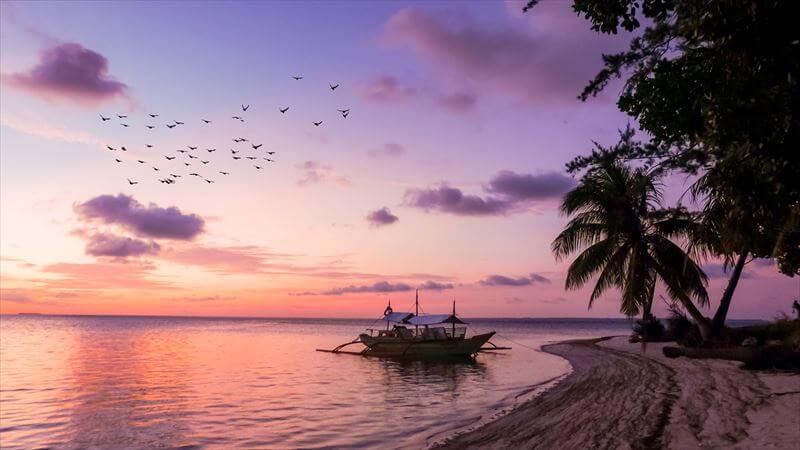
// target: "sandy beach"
[[619, 396]]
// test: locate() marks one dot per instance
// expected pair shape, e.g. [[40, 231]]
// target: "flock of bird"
[[191, 151]]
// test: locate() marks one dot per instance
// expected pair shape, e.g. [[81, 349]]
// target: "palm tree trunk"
[[702, 321], [727, 296]]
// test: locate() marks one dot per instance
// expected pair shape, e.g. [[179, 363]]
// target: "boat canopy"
[[398, 317], [433, 319]]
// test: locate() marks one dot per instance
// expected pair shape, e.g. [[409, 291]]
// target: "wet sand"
[[619, 396]]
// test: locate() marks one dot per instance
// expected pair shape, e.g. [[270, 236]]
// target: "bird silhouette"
[[225, 173], [209, 150], [258, 167], [270, 153], [155, 168], [111, 148], [194, 174], [204, 162], [117, 160], [250, 157], [104, 118], [344, 110], [283, 110], [344, 114], [125, 125], [150, 126], [206, 121], [140, 161], [123, 149], [153, 115], [192, 148], [183, 151], [132, 182], [187, 164], [233, 152], [297, 78], [171, 126], [236, 117], [267, 159], [177, 123], [122, 117], [192, 156], [316, 124], [241, 139], [169, 158], [256, 147], [208, 181], [237, 157], [245, 108], [333, 86], [174, 176], [148, 145]]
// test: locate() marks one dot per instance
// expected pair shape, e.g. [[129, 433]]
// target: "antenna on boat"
[[454, 319]]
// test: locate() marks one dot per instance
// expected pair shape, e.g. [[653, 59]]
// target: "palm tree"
[[617, 219]]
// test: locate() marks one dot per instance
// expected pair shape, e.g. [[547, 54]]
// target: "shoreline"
[[618, 395]]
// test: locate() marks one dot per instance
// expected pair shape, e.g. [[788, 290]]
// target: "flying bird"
[[283, 110], [111, 148], [183, 151], [155, 168], [192, 148], [192, 156], [316, 124], [237, 157], [297, 78], [233, 152], [344, 114], [169, 158], [256, 147], [187, 164], [208, 181], [236, 117], [267, 159], [122, 117], [104, 118], [250, 157], [123, 149], [150, 126], [194, 174], [140, 161], [117, 160], [204, 162], [132, 182], [177, 123], [333, 86], [209, 150], [343, 111], [153, 115], [225, 173], [258, 167], [148, 145], [206, 121], [270, 153], [172, 126], [245, 108], [174, 176], [125, 125]]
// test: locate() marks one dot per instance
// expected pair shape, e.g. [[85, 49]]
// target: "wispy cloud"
[[390, 149], [314, 173], [502, 280]]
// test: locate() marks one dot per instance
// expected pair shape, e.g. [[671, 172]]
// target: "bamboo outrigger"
[[432, 336]]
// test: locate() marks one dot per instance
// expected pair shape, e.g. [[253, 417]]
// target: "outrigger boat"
[[411, 335]]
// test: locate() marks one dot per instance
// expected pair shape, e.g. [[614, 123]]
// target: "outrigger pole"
[[416, 311], [453, 336]]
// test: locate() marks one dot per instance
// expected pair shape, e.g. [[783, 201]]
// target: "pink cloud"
[[315, 173], [71, 72], [460, 102], [111, 245], [388, 149], [386, 89], [529, 64]]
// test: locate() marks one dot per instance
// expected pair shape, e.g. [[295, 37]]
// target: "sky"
[[445, 175]]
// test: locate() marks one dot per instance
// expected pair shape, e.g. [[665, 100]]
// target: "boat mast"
[[416, 311], [454, 319]]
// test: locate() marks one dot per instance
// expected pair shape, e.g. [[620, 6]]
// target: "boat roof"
[[398, 317], [433, 319]]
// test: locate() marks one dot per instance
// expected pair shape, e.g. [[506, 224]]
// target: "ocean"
[[114, 382]]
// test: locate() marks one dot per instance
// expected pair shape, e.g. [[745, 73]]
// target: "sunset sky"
[[445, 176]]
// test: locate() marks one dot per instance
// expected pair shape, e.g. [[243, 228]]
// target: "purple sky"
[[445, 175]]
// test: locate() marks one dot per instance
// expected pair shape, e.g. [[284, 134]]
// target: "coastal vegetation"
[[713, 90]]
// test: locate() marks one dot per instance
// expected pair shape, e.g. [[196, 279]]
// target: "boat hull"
[[416, 348]]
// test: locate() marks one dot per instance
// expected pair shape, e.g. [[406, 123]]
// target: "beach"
[[620, 395]]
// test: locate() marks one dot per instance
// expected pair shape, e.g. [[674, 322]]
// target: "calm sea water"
[[160, 382]]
